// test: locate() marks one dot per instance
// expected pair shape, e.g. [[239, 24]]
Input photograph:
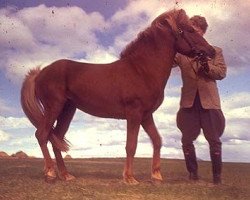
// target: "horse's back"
[[90, 87], [59, 72]]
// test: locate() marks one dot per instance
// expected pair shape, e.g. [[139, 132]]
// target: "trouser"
[[190, 121]]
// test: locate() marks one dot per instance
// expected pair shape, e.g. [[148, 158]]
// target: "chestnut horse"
[[131, 88]]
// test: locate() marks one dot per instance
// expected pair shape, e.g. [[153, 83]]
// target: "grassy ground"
[[22, 179]]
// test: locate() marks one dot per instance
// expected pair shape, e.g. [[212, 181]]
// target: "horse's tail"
[[33, 108], [30, 104]]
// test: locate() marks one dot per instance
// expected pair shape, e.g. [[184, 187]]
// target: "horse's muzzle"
[[201, 53]]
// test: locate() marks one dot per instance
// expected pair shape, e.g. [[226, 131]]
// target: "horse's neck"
[[156, 64]]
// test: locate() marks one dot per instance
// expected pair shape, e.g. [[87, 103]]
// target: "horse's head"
[[187, 40]]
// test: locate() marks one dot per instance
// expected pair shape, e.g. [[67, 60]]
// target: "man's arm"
[[216, 68]]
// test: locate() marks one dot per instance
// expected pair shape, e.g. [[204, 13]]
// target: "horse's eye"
[[180, 31]]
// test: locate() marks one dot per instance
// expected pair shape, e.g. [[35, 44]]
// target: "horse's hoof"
[[156, 181], [50, 176], [67, 177], [130, 181], [156, 176], [50, 179]]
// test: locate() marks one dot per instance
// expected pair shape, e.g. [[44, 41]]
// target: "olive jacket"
[[196, 80]]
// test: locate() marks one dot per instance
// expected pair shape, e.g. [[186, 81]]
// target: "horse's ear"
[[183, 21], [181, 17], [182, 13], [171, 20]]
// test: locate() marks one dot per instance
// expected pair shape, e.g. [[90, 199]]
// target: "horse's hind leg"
[[42, 135], [62, 125], [150, 128]]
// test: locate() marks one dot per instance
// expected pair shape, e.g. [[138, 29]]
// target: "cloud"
[[236, 129], [30, 39], [236, 109], [14, 122], [236, 151], [4, 136], [237, 100], [100, 56], [4, 107], [135, 18]]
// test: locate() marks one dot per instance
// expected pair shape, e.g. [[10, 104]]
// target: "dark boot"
[[191, 163], [193, 176], [216, 166]]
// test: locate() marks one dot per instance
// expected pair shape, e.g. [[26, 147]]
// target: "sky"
[[36, 33]]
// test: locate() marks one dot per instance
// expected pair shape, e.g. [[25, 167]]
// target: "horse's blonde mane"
[[146, 35], [141, 39]]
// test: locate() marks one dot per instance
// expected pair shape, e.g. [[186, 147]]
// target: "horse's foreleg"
[[150, 128], [133, 126], [63, 122], [131, 144]]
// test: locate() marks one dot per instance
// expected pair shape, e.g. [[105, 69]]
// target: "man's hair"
[[199, 22]]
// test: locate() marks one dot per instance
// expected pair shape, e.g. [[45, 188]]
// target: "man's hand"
[[204, 66], [203, 60]]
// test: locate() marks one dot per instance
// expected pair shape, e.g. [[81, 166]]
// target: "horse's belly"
[[100, 107], [117, 114]]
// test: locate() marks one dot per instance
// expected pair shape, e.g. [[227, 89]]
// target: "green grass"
[[22, 179]]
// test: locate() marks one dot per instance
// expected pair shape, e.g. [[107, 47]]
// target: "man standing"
[[200, 104]]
